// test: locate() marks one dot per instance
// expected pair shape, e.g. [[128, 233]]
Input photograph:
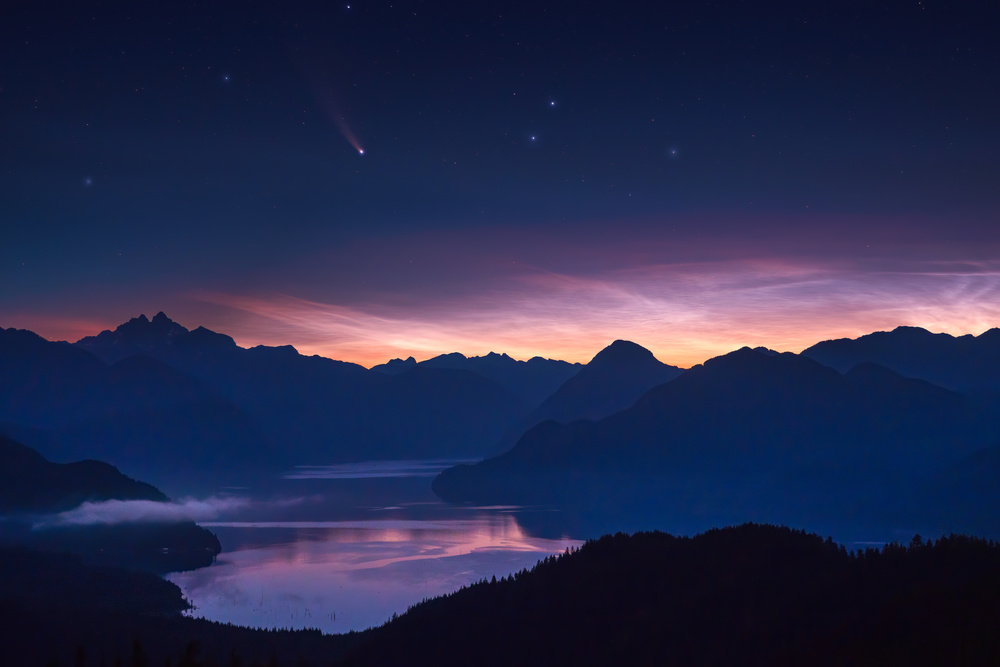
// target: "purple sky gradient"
[[556, 294], [537, 178]]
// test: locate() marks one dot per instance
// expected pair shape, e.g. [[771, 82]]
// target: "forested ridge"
[[752, 594], [749, 595]]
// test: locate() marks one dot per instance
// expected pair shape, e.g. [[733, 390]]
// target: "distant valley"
[[882, 436], [876, 432]]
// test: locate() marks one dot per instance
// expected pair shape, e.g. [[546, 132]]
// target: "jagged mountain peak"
[[142, 328]]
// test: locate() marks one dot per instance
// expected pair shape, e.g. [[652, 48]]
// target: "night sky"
[[375, 180]]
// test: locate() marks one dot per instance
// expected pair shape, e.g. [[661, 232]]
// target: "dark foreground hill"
[[34, 491], [30, 483], [749, 595], [56, 610]]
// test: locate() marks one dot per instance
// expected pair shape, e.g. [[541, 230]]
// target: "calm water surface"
[[340, 552], [345, 547]]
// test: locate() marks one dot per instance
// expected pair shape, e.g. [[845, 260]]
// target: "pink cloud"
[[684, 313], [568, 292], [55, 327]]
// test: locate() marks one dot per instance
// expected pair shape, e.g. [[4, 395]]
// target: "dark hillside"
[[29, 483], [751, 595], [34, 490], [746, 436]]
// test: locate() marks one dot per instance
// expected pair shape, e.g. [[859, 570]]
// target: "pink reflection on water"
[[350, 575]]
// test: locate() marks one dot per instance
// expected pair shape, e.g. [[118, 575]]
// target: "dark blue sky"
[[536, 178]]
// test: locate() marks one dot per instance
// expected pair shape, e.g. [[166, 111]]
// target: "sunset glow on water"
[[349, 575]]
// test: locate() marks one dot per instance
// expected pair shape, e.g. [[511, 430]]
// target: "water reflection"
[[349, 575]]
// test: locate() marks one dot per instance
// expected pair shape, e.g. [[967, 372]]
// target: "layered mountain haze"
[[145, 416], [963, 497], [957, 362], [533, 380], [48, 384], [749, 435], [612, 381], [214, 406]]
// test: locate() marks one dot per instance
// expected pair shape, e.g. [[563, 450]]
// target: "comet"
[[325, 95], [348, 134], [335, 112]]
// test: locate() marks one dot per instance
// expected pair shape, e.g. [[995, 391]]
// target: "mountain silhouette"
[[395, 366], [47, 383], [612, 381], [961, 363], [30, 483], [747, 435], [326, 411], [71, 405], [137, 336], [532, 380]]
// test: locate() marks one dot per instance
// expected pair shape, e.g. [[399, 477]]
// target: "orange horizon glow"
[[683, 313], [682, 354]]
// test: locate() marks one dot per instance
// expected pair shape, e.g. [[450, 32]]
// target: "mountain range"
[[751, 435], [962, 363], [532, 380], [846, 430], [610, 382], [192, 410]]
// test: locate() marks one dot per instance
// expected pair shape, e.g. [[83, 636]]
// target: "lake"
[[343, 548]]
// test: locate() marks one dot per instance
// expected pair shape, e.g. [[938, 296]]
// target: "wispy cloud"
[[135, 511], [568, 293], [684, 313], [55, 327]]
